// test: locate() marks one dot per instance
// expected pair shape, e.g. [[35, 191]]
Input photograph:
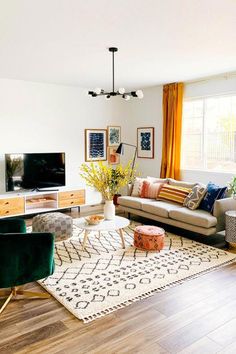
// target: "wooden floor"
[[198, 316]]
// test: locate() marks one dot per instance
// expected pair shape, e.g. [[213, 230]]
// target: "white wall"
[[148, 112], [36, 117], [215, 86], [143, 113]]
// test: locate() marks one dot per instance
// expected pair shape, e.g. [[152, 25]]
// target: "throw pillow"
[[136, 191], [157, 180], [173, 193], [193, 200], [213, 193], [150, 190], [174, 182]]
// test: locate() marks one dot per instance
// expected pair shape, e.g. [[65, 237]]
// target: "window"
[[209, 134]]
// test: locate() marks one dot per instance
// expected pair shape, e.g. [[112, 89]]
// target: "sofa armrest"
[[223, 205]]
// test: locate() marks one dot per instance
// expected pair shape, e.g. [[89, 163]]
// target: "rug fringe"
[[152, 292]]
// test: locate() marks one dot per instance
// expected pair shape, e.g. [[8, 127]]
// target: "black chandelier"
[[121, 91]]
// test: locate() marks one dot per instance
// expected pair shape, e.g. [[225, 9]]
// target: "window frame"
[[203, 146]]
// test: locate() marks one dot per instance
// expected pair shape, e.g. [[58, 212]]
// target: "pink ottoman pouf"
[[150, 238]]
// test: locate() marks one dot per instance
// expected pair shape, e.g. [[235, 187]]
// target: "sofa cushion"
[[173, 193], [150, 190], [136, 190], [194, 217], [194, 198], [174, 182], [213, 193], [131, 202], [159, 208]]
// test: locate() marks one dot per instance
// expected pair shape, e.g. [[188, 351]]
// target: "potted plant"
[[232, 187], [108, 181]]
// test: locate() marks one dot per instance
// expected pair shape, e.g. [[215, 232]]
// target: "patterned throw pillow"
[[150, 190], [173, 193], [193, 200], [138, 182], [213, 193]]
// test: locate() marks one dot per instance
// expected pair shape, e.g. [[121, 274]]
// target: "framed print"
[[112, 156], [145, 142], [114, 135], [95, 145]]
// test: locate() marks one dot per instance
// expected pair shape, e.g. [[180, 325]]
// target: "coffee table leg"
[[122, 237], [85, 238]]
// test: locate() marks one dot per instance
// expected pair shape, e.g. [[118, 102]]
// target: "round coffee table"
[[118, 224]]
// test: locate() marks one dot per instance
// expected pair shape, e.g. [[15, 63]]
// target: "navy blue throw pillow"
[[213, 193]]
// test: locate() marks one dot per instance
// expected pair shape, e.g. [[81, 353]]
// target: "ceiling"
[[159, 41]]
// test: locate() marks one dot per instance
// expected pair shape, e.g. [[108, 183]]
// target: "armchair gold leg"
[[15, 291], [6, 302], [33, 294]]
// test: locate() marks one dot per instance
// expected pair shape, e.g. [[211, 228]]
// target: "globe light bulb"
[[139, 93], [121, 90], [126, 97], [98, 90], [107, 97]]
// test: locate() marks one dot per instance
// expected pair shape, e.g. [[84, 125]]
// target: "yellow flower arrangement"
[[105, 179]]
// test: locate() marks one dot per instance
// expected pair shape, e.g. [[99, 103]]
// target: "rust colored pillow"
[[150, 190]]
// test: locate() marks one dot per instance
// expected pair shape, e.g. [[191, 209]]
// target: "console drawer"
[[71, 202], [12, 206], [71, 195]]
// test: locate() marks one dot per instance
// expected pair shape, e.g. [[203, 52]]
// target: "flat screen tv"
[[34, 171]]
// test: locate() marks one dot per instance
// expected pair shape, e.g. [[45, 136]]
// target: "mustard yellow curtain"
[[172, 127]]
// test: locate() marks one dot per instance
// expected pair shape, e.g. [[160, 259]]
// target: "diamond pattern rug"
[[104, 277]]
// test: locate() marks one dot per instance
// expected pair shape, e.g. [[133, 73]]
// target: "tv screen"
[[34, 171]]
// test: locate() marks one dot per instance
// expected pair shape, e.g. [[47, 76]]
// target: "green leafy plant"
[[13, 166], [232, 186]]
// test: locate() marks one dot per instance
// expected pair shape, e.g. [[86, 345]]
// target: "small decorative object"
[[94, 219], [121, 92], [113, 157], [149, 238], [145, 142], [232, 187], [107, 181], [14, 165], [114, 134], [95, 144]]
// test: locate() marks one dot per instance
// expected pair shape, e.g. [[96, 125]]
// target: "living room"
[[173, 77]]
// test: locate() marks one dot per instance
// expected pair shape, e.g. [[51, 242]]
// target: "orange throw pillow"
[[150, 190]]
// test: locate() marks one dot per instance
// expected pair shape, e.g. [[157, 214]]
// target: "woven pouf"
[[150, 238], [59, 224]]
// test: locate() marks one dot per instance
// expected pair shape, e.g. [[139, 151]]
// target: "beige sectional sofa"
[[199, 221]]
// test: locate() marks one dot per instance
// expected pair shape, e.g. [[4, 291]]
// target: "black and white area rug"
[[104, 277]]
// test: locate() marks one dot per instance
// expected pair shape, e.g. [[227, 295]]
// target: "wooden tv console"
[[38, 202]]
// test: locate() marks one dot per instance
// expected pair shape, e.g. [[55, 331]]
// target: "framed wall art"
[[114, 135], [145, 142], [95, 145], [112, 157]]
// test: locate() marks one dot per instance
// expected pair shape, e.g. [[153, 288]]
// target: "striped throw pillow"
[[173, 193], [150, 190]]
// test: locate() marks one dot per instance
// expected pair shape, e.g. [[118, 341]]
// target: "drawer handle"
[[7, 212], [6, 203], [72, 195], [72, 202]]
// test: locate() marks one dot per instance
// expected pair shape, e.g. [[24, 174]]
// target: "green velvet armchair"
[[24, 257]]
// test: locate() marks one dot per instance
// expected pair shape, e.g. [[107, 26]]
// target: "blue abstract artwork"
[[145, 141], [96, 145], [113, 136]]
